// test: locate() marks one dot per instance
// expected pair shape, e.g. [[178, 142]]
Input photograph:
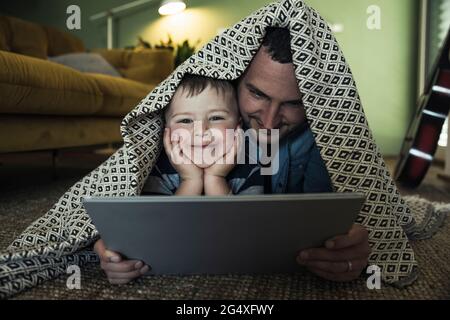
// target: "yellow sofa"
[[48, 106]]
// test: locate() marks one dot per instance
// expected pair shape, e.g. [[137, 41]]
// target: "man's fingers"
[[336, 267], [124, 266], [123, 275], [111, 256], [355, 236], [119, 281], [99, 248], [105, 254], [358, 252], [342, 277], [127, 275]]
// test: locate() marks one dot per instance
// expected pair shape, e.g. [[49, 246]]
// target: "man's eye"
[[216, 118], [184, 121], [256, 94]]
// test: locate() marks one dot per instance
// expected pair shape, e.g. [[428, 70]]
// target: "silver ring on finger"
[[349, 266]]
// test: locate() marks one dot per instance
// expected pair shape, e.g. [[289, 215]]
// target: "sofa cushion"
[[86, 62], [60, 42], [118, 58], [55, 132], [34, 86], [150, 66], [120, 95], [24, 37], [32, 39], [4, 34]]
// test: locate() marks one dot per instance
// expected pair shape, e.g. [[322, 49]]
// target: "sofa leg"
[[55, 160]]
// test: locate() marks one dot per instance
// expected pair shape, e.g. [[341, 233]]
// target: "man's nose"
[[271, 118]]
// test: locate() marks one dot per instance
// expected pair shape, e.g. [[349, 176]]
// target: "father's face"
[[268, 96]]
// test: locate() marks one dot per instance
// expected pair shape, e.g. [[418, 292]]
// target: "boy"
[[201, 147], [200, 140]]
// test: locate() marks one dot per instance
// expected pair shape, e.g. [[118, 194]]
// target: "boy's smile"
[[201, 123]]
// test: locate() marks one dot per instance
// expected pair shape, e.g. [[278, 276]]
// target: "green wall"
[[383, 61]]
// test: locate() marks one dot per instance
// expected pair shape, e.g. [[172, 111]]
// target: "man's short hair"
[[278, 43], [194, 85]]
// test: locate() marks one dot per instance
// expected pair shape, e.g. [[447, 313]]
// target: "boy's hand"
[[182, 164], [223, 166], [118, 271]]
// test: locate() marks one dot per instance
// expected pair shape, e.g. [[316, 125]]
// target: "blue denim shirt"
[[301, 168]]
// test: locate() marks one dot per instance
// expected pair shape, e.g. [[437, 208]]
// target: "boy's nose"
[[200, 128], [201, 132]]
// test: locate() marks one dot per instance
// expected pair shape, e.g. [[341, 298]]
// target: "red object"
[[423, 134]]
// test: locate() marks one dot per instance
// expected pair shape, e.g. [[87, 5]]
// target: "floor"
[[28, 188], [432, 187], [22, 171]]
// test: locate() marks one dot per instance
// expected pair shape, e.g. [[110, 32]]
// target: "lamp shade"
[[169, 7]]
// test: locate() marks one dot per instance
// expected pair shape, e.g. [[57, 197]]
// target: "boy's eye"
[[184, 121], [216, 118]]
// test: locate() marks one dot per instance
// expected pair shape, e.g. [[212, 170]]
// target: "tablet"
[[221, 235]]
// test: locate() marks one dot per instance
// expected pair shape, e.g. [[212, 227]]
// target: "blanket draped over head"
[[65, 234]]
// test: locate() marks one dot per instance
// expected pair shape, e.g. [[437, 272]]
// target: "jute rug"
[[433, 255]]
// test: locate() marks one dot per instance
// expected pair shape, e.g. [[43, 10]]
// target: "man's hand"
[[117, 270], [342, 259]]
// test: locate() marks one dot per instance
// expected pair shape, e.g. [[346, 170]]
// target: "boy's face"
[[202, 122]]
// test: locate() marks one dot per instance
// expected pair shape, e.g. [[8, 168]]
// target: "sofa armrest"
[[149, 66], [34, 86]]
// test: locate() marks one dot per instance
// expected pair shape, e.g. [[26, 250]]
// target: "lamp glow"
[[170, 7]]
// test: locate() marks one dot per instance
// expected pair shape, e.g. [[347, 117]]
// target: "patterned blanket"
[[65, 234]]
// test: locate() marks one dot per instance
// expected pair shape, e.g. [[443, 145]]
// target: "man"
[[269, 98]]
